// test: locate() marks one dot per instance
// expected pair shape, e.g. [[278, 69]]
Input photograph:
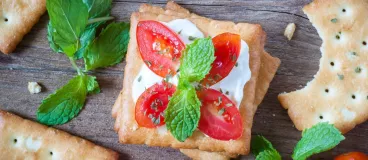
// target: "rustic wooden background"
[[33, 60]]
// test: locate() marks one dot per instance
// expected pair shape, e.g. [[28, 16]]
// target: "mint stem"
[[101, 19], [72, 61]]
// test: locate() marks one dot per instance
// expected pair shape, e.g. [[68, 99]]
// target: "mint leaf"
[[87, 37], [98, 8], [182, 114], [92, 85], [65, 103], [319, 138], [50, 37], [197, 59], [69, 19], [109, 48], [263, 149]]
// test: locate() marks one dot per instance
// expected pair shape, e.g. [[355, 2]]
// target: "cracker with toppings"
[[338, 94], [17, 17], [123, 110], [24, 139]]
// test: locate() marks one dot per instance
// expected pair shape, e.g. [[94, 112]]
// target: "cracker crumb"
[[274, 115], [289, 31], [34, 87]]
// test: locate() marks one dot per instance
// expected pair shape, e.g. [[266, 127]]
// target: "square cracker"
[[17, 17], [338, 94], [123, 110], [24, 139]]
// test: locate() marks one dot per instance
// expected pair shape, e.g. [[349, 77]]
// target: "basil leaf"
[[109, 48], [65, 103], [182, 113], [263, 149], [319, 138], [87, 37], [92, 85], [197, 59], [50, 37], [69, 19]]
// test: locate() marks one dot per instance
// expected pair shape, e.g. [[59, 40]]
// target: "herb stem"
[[101, 19], [72, 61]]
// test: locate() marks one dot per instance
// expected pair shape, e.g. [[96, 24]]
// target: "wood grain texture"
[[33, 60]]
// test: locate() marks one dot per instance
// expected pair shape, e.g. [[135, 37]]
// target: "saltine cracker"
[[124, 113], [17, 17], [24, 139], [338, 94]]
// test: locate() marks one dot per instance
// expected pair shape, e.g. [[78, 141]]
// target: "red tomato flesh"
[[151, 104], [352, 156], [160, 47], [220, 118], [227, 50]]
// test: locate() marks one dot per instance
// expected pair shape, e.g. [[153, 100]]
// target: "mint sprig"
[[109, 48], [72, 29], [69, 19], [183, 111], [65, 103], [263, 149], [319, 138]]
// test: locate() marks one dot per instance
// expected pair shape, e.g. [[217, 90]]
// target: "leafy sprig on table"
[[72, 30], [319, 138]]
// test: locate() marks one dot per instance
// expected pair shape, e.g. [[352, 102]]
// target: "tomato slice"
[[160, 47], [150, 106], [352, 156], [227, 50], [220, 118]]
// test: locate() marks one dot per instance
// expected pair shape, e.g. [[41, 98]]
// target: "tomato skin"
[[225, 126], [227, 51], [160, 47], [151, 104], [352, 156]]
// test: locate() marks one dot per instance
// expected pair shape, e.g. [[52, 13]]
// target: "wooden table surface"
[[33, 60]]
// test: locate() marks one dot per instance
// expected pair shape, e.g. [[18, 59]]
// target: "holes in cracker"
[[353, 96], [364, 43], [6, 19], [15, 140], [343, 10], [327, 90], [321, 117], [358, 70], [51, 153], [338, 37], [332, 64]]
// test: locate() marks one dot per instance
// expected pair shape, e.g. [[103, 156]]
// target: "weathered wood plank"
[[33, 60]]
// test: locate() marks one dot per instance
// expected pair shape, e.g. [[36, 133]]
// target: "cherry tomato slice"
[[151, 104], [220, 118], [352, 156], [227, 50], [160, 47]]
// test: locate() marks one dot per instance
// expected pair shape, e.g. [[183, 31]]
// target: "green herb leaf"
[[50, 37], [109, 48], [319, 138], [69, 19], [197, 59], [182, 114], [98, 8], [65, 103], [92, 85], [263, 149], [87, 37]]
